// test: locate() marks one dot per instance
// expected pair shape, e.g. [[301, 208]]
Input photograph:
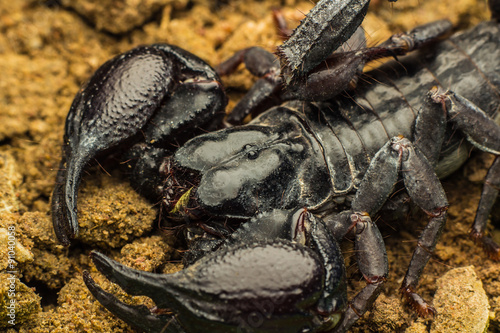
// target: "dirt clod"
[[461, 302]]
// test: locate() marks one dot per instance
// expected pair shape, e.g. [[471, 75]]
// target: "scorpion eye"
[[252, 153]]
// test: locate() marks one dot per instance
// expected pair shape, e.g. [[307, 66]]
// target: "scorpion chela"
[[311, 168]]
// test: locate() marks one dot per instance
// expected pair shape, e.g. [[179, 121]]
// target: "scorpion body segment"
[[464, 64]]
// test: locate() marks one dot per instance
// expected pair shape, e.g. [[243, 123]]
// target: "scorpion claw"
[[488, 244], [128, 94], [132, 281], [199, 295], [140, 317], [93, 126]]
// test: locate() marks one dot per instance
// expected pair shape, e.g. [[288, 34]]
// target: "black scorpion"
[[305, 174]]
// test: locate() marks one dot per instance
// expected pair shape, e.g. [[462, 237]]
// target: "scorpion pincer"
[[311, 168]]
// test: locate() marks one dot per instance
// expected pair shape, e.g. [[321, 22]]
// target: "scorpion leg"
[[260, 63], [402, 44], [372, 262], [423, 187], [488, 199], [370, 249], [484, 133], [426, 191], [281, 25], [430, 128]]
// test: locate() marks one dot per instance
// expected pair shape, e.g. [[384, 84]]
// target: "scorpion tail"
[[329, 24]]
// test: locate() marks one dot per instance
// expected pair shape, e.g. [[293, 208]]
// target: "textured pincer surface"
[[115, 103], [290, 279], [227, 291], [147, 97]]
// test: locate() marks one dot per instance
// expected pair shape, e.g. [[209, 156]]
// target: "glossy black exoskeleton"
[[289, 277], [327, 26], [154, 94], [347, 154], [336, 73], [338, 157]]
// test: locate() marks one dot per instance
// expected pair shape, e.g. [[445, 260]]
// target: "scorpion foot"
[[418, 303], [491, 248]]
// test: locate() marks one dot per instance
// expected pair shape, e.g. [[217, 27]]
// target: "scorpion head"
[[247, 170]]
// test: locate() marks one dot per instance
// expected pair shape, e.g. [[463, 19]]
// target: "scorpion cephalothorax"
[[302, 175]]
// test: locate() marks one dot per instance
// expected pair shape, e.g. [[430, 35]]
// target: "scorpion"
[[304, 174]]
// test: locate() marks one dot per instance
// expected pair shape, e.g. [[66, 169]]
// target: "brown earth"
[[49, 48]]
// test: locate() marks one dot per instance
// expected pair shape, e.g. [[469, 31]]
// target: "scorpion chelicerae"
[[302, 175]]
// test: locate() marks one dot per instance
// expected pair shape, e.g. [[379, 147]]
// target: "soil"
[[48, 49]]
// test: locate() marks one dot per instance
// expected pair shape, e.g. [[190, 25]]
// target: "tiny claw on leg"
[[491, 248], [418, 303]]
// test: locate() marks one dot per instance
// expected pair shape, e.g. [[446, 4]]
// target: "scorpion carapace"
[[301, 176]]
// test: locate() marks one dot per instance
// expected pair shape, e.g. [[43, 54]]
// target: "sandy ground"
[[47, 51]]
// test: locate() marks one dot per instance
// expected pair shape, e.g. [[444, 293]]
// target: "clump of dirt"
[[461, 302], [119, 17], [27, 302], [47, 51], [112, 214]]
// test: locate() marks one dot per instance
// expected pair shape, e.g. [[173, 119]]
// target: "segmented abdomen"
[[389, 98]]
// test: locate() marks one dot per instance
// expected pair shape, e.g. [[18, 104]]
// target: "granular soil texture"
[[48, 49]]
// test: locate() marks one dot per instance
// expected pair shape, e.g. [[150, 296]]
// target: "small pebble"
[[461, 303]]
